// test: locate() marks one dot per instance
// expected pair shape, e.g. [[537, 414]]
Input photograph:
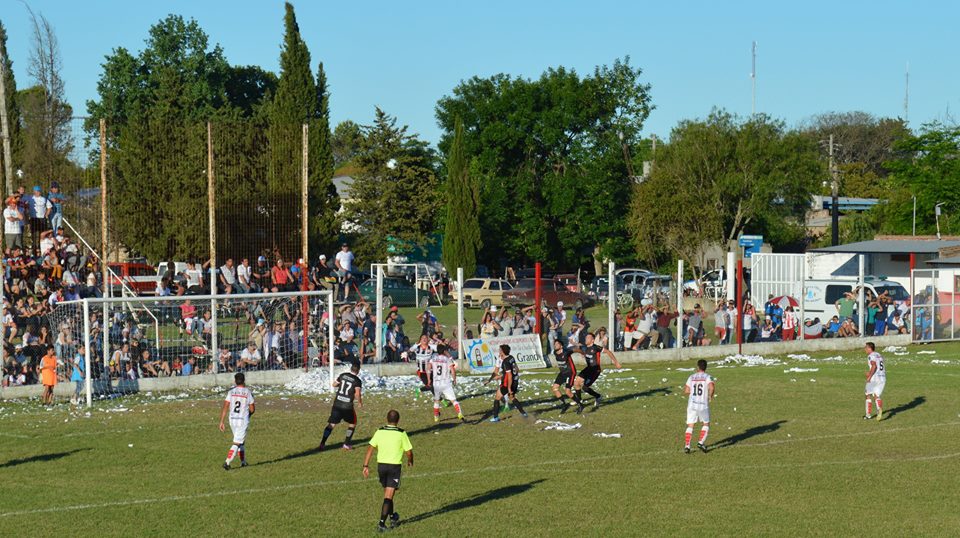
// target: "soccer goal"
[[117, 349]]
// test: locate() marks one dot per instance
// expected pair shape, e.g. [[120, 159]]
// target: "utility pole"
[[906, 96], [835, 202], [753, 79], [5, 127]]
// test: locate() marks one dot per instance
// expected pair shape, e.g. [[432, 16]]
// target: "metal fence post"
[[88, 388], [679, 305], [611, 306]]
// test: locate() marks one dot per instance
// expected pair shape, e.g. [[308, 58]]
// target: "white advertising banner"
[[525, 348]]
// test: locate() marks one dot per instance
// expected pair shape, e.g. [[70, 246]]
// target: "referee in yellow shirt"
[[391, 443]]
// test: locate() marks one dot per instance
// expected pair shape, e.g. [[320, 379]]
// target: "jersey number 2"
[[236, 407]]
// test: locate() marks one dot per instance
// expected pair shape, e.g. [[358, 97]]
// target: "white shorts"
[[444, 391], [698, 414], [875, 387], [239, 427]]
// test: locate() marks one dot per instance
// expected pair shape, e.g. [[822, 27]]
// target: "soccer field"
[[789, 454]]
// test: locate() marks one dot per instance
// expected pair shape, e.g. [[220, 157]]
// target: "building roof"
[[343, 184], [953, 260], [891, 246]]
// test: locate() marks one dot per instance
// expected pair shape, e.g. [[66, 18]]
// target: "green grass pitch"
[[789, 455]]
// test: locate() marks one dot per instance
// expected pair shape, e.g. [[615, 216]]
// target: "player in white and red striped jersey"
[[876, 380], [442, 374], [699, 388], [239, 405]]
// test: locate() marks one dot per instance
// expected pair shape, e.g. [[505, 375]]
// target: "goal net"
[[126, 345]]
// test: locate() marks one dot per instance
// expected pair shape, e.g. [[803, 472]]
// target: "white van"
[[822, 295]]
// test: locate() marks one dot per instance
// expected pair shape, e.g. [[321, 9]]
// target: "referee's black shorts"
[[389, 475]]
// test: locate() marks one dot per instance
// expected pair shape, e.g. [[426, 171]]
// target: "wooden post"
[[103, 208], [304, 189], [5, 129], [212, 220]]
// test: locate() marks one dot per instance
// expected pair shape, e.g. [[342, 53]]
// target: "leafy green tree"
[[553, 170], [722, 177], [461, 237], [345, 142], [324, 203], [13, 109], [394, 199], [930, 170]]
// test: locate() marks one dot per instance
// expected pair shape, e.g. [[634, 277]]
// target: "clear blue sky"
[[813, 56]]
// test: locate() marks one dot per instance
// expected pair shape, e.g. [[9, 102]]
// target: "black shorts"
[[589, 375], [514, 388], [564, 378], [338, 415], [389, 475]]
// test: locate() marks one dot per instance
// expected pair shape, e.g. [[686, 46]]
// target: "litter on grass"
[[801, 370], [749, 360], [938, 361], [607, 435], [559, 426], [927, 352]]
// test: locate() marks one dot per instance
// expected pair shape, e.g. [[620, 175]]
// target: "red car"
[[551, 292], [139, 277]]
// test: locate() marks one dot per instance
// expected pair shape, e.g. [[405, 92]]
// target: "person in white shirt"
[[240, 406], [13, 224], [344, 262], [442, 374], [700, 389], [249, 357], [40, 208], [876, 380], [228, 277], [244, 276]]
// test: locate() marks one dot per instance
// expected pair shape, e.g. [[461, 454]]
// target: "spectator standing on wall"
[[55, 197], [40, 208], [344, 262]]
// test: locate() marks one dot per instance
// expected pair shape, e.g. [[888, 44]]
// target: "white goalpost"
[[188, 335]]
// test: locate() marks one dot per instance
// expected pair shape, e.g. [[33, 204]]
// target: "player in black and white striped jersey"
[[423, 353]]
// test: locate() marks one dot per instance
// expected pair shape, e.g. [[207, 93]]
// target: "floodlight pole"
[[460, 347], [212, 221]]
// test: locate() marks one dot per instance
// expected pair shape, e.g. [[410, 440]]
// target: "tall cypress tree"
[[13, 111], [461, 237], [323, 199], [293, 105]]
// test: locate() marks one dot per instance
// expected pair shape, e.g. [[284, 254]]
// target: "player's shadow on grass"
[[476, 500], [40, 457], [916, 402], [748, 434]]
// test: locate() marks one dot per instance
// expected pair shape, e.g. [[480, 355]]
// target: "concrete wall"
[[282, 377]]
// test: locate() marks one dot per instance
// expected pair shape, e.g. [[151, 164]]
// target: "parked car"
[[551, 291], [632, 288], [570, 281], [396, 291], [139, 277], [482, 292]]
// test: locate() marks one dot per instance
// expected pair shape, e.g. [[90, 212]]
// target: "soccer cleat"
[[320, 447], [879, 414], [436, 418], [580, 407], [460, 416], [596, 402], [494, 419], [867, 417], [382, 528], [686, 450], [394, 520], [524, 414], [243, 464], [226, 466], [702, 447], [347, 447], [565, 407]]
